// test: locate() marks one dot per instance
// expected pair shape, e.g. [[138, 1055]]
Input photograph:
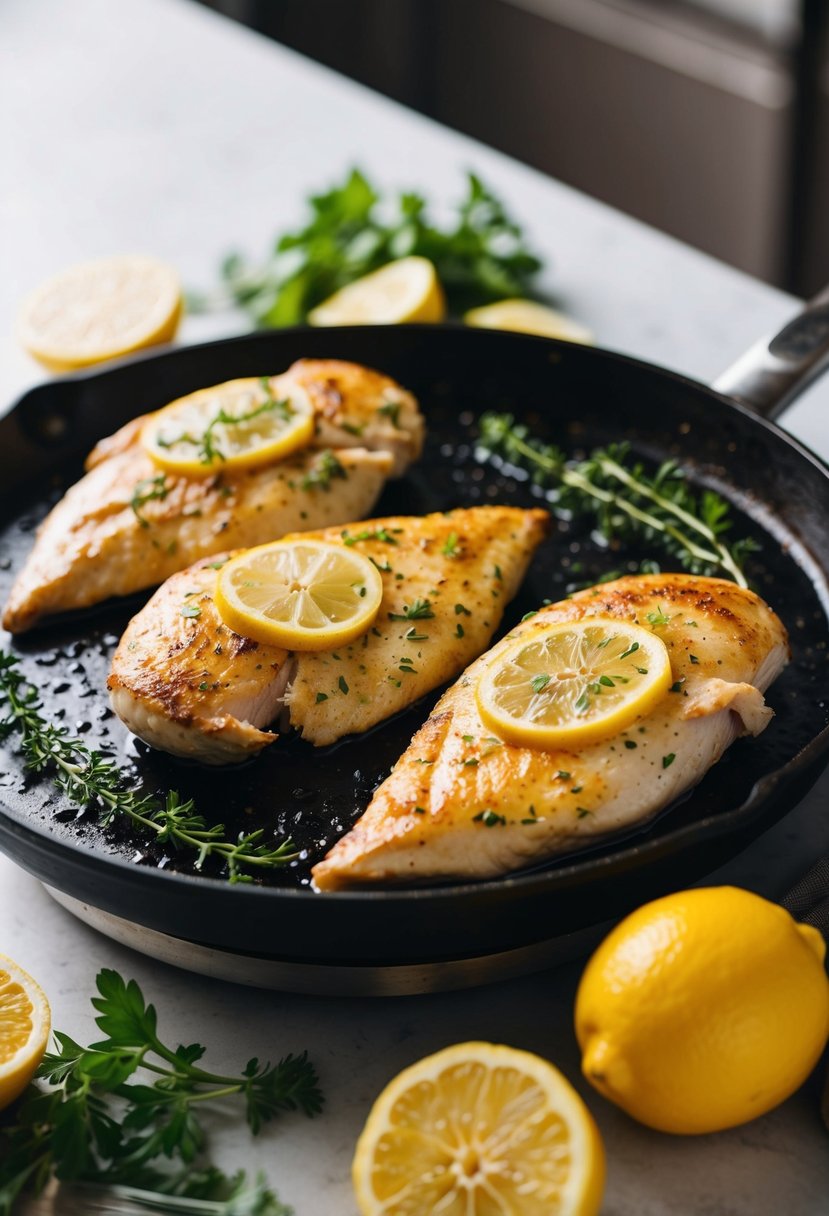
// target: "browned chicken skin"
[[125, 526], [185, 683], [461, 803]]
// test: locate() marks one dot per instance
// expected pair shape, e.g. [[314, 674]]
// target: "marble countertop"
[[156, 126]]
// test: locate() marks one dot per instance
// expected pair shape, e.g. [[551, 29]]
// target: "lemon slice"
[[573, 683], [528, 317], [406, 290], [25, 1021], [479, 1130], [100, 310], [300, 594], [235, 425]]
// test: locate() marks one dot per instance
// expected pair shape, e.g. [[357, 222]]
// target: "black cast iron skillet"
[[576, 396]]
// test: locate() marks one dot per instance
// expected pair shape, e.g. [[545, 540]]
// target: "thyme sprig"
[[207, 446], [88, 778], [626, 501]]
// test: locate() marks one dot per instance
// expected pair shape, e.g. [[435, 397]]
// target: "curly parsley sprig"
[[627, 502], [122, 1114], [90, 779]]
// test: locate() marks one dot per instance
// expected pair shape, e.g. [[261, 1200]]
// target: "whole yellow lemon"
[[703, 1010]]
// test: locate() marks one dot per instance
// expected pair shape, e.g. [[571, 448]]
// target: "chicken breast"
[[185, 683], [126, 525], [461, 803]]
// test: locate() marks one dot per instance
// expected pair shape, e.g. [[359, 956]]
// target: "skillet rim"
[[562, 873]]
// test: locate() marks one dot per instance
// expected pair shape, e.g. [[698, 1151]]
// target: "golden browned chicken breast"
[[127, 525], [462, 803], [186, 683]]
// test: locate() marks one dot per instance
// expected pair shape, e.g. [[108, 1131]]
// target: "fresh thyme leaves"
[[326, 469], [479, 258], [540, 682], [90, 779], [148, 489], [123, 1113], [383, 534], [625, 500], [418, 610], [657, 618], [207, 443]]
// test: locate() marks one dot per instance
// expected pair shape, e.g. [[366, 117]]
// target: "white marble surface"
[[154, 125]]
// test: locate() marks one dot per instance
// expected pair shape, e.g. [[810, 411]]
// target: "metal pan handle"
[[769, 376]]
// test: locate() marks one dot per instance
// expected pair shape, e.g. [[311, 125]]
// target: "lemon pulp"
[[100, 310], [24, 1028], [528, 317], [572, 683], [236, 425], [405, 290], [299, 594], [477, 1129]]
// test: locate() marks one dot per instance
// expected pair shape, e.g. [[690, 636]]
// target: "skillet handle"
[[769, 376]]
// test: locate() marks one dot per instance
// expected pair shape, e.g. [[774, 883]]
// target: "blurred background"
[[706, 118]]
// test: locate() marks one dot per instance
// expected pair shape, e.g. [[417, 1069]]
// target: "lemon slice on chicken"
[[25, 1021], [237, 425], [479, 1129], [299, 594], [405, 290], [573, 683]]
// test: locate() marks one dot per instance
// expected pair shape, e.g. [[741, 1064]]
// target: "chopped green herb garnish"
[[668, 760], [657, 618], [326, 469], [461, 611], [391, 410], [191, 610], [418, 610], [630, 744], [488, 818], [343, 687], [632, 648], [382, 534], [563, 775], [581, 811], [528, 615], [146, 490], [539, 683], [451, 548], [459, 630], [677, 685], [321, 696], [693, 658]]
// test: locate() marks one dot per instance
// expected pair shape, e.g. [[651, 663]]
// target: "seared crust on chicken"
[[726, 647], [126, 525], [185, 683]]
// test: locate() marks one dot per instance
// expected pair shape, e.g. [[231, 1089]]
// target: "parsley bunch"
[[90, 779], [627, 502], [351, 231], [122, 1114]]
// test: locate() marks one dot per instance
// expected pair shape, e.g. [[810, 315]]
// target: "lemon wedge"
[[406, 290], [528, 317], [25, 1021], [572, 683], [300, 594], [478, 1129], [236, 425], [100, 310]]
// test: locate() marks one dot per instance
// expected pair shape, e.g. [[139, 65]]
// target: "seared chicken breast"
[[429, 820], [126, 525], [187, 684]]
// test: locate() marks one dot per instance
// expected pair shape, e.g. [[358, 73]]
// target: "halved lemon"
[[572, 683], [236, 425], [528, 317], [406, 290], [25, 1022], [476, 1130], [300, 594], [100, 310]]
